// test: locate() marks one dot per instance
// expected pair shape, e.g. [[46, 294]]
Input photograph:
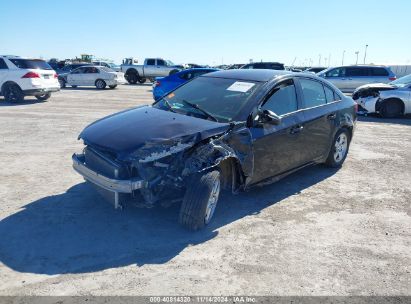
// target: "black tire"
[[392, 108], [112, 86], [100, 84], [333, 161], [132, 78], [43, 97], [62, 83], [12, 93], [201, 188], [142, 80]]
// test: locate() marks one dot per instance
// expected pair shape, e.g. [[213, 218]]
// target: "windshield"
[[205, 97], [403, 81], [170, 63], [35, 64]]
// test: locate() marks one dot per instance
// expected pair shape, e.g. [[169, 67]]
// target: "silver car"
[[389, 100], [348, 78]]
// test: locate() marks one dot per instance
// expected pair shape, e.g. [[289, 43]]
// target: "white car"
[[98, 76], [20, 77]]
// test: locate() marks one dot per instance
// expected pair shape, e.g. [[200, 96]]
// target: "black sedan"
[[228, 129]]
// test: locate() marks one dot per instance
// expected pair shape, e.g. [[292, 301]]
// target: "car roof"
[[262, 75]]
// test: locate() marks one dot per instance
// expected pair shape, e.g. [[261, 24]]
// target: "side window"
[[331, 95], [187, 76], [160, 62], [3, 65], [379, 72], [357, 72], [151, 61], [78, 71], [338, 72], [283, 99], [313, 93]]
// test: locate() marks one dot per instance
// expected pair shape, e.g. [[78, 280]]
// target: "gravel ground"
[[317, 232]]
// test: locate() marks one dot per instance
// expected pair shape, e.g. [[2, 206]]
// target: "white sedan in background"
[[98, 76]]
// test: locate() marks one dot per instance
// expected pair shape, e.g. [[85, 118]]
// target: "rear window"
[[379, 72], [35, 64]]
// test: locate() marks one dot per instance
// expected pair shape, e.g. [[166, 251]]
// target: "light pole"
[[319, 60], [365, 54], [356, 53], [329, 59], [342, 61]]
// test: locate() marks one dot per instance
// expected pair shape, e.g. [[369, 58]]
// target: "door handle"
[[296, 129], [332, 116]]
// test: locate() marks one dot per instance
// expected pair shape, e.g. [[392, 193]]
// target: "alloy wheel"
[[212, 201], [340, 147]]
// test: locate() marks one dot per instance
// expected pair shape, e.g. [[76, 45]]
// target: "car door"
[[337, 77], [277, 148], [161, 68], [150, 69], [75, 77], [319, 118], [357, 76], [90, 76]]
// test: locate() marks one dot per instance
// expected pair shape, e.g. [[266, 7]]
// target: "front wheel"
[[43, 97], [391, 108], [339, 149], [200, 200]]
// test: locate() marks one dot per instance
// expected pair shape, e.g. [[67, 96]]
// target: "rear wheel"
[[100, 84], [43, 97], [112, 86], [391, 108], [13, 93], [132, 78], [200, 200], [339, 149], [62, 83]]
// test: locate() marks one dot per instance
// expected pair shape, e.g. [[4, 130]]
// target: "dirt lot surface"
[[317, 232]]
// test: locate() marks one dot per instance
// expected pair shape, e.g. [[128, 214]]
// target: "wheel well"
[[392, 100], [231, 174], [173, 72], [131, 71]]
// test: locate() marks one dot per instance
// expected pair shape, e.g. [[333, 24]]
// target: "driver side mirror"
[[267, 116]]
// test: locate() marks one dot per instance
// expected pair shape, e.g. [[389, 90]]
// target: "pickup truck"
[[152, 68]]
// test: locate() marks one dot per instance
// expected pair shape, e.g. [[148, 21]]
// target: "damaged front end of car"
[[368, 97], [157, 173]]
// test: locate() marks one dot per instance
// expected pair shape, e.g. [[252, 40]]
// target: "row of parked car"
[[374, 88]]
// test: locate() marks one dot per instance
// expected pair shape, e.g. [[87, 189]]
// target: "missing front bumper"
[[115, 186]]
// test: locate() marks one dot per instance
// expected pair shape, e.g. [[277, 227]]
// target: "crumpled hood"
[[381, 86], [147, 132]]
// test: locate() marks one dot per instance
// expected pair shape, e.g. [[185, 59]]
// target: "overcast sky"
[[210, 31]]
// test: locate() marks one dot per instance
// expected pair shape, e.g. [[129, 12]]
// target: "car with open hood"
[[230, 129], [389, 100]]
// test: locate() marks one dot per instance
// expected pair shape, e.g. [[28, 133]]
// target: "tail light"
[[157, 83], [356, 107], [392, 78], [31, 75], [55, 76]]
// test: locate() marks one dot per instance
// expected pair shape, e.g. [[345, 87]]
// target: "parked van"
[[348, 78]]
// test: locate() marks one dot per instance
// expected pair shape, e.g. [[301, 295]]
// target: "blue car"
[[163, 85]]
